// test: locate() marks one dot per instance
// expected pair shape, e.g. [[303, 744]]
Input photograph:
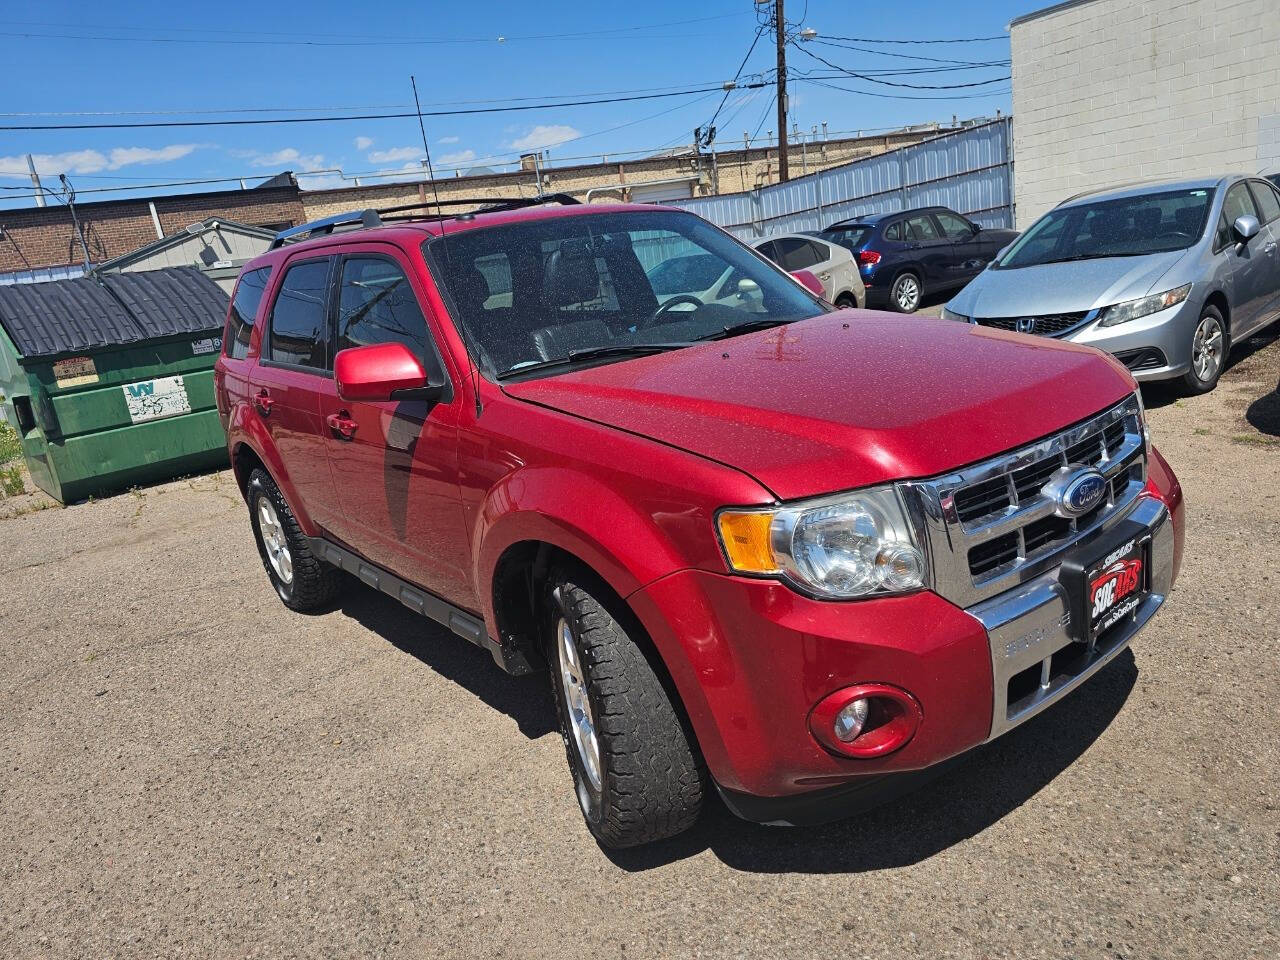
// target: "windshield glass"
[[533, 291], [1123, 227]]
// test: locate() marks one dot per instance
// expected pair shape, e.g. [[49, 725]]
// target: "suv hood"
[[846, 399], [1062, 287]]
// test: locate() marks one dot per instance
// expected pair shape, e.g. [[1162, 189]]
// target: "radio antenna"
[[472, 367]]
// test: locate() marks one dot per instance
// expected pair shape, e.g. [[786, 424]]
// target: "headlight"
[[851, 545], [952, 315], [1133, 309]]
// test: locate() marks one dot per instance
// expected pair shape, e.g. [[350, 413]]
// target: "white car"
[[831, 263]]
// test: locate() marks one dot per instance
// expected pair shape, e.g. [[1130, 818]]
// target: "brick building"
[[1109, 91], [32, 238], [647, 180]]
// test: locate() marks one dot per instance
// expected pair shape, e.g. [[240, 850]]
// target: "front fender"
[[621, 540], [246, 429]]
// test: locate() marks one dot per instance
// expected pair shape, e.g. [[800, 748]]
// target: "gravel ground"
[[193, 770]]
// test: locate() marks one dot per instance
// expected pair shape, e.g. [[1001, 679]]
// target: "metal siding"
[[41, 275], [967, 171]]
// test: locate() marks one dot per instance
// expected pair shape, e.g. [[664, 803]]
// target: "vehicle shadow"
[[524, 699], [1161, 393], [1264, 413], [971, 796]]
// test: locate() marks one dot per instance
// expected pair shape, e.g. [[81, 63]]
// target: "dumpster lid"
[[72, 316]]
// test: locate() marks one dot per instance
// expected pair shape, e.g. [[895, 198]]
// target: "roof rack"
[[375, 218]]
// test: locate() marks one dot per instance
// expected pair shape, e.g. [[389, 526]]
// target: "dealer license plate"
[[1115, 587]]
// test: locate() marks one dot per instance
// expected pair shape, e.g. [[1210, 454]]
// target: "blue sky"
[[179, 61]]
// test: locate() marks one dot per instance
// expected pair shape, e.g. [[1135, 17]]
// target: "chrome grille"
[[991, 526], [1050, 325]]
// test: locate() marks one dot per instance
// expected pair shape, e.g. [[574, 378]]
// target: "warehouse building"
[[1111, 91]]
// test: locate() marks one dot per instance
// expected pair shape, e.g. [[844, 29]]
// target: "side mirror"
[[748, 287], [382, 372], [977, 227], [811, 283], [1246, 228]]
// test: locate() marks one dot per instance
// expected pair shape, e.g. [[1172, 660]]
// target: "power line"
[[910, 56], [737, 73], [891, 83], [156, 124], [903, 96], [1003, 36]]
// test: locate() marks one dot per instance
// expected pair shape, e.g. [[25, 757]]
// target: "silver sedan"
[[1165, 276]]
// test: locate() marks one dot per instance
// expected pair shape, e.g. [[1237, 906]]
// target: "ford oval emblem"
[[1082, 490]]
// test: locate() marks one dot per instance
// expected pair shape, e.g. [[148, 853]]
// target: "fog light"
[[850, 720], [866, 720]]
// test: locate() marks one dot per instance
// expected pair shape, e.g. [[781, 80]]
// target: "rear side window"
[[376, 304], [893, 231], [244, 308], [298, 328], [797, 254], [1265, 197]]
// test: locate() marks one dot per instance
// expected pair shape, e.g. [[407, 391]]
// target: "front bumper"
[[1154, 347], [750, 658]]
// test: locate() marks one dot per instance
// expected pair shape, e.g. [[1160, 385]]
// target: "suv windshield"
[[604, 286], [1123, 227]]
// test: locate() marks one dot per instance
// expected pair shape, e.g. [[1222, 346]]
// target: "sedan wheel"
[[1209, 346]]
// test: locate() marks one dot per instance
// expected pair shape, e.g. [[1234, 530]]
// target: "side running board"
[[464, 624]]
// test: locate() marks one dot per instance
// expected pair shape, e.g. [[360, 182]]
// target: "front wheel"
[[1209, 348], [637, 775], [906, 292]]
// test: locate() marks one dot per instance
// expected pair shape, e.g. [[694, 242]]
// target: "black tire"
[[652, 778], [311, 583], [846, 301], [901, 287], [1192, 382]]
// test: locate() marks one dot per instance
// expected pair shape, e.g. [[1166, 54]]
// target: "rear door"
[[798, 253], [294, 372], [397, 472]]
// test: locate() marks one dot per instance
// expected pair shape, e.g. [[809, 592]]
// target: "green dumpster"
[[109, 380]]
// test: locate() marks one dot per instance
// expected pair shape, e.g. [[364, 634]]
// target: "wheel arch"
[[1218, 298]]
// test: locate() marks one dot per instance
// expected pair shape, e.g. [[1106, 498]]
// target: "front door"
[[291, 377], [397, 472], [966, 256]]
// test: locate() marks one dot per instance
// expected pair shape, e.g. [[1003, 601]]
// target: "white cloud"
[[544, 135], [363, 143], [448, 140], [289, 157], [395, 155], [92, 161], [455, 159]]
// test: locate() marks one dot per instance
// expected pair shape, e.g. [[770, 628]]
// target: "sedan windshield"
[[1122, 227], [535, 297]]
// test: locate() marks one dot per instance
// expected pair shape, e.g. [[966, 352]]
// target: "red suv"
[[799, 554]]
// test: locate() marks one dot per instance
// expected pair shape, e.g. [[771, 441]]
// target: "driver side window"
[[954, 227], [1237, 203]]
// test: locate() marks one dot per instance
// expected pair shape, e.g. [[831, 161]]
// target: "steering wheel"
[[666, 306]]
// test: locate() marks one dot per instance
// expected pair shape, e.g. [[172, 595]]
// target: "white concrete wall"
[[1108, 91]]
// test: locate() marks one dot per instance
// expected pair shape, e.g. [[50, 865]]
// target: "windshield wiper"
[[1092, 256], [593, 353], [733, 329]]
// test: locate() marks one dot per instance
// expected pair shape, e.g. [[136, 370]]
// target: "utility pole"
[[783, 173], [35, 180]]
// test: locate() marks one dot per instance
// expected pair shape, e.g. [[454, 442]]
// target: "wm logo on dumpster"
[[141, 389]]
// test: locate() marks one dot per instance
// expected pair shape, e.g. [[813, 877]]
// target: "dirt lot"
[[191, 770]]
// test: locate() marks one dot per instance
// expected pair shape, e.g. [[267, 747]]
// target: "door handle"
[[263, 401], [342, 424], [1270, 247]]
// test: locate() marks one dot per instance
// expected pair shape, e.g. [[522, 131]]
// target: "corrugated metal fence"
[[970, 171]]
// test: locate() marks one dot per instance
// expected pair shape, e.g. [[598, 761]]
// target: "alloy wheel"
[[582, 726], [1206, 349], [274, 540], [908, 294]]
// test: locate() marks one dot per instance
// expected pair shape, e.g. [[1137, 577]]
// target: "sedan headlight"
[[851, 545], [952, 315], [1143, 306]]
